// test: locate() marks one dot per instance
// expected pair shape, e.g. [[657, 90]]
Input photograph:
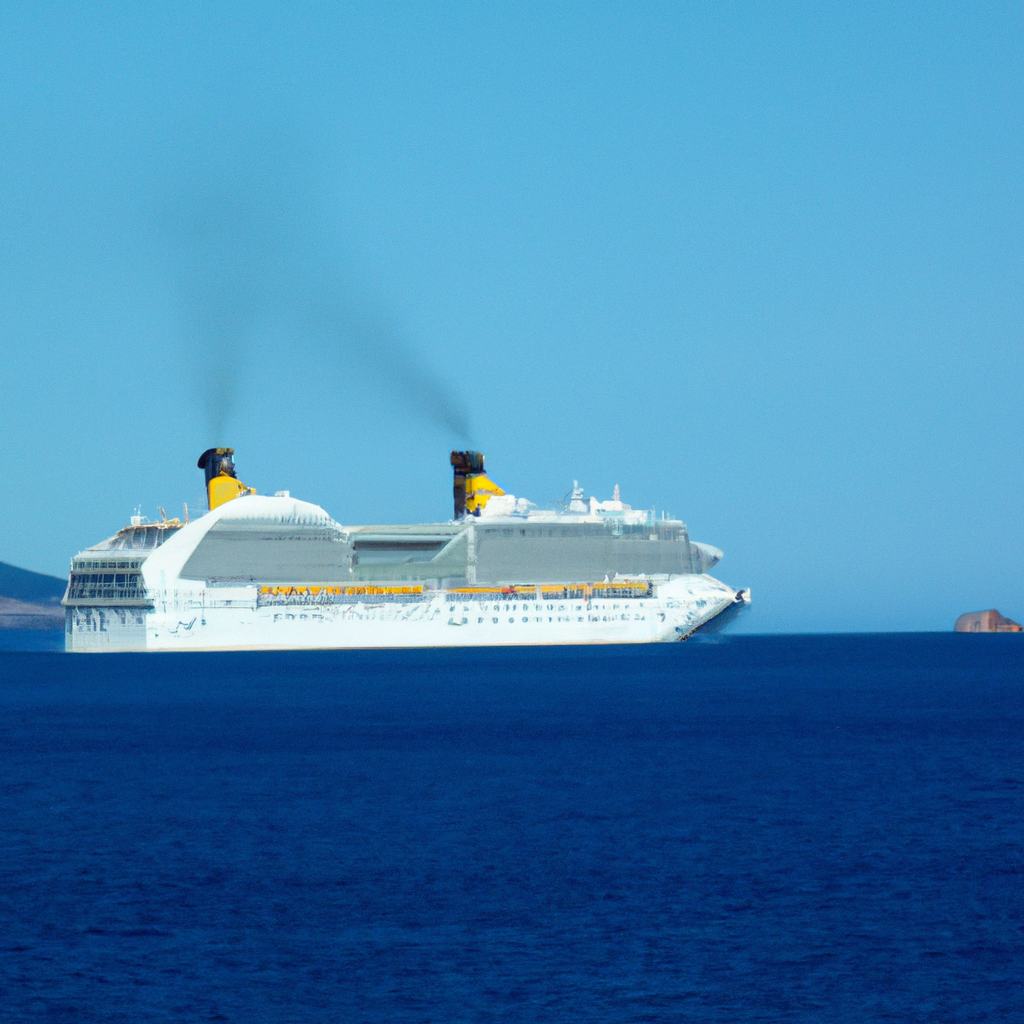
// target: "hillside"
[[29, 600], [23, 585]]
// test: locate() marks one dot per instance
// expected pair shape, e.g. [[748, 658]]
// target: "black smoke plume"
[[252, 248]]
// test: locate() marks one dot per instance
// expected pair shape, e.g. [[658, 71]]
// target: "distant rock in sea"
[[986, 622], [30, 600]]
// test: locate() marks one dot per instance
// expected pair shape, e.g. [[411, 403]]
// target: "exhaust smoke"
[[252, 252]]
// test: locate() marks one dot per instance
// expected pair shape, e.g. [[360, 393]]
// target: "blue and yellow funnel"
[[473, 489], [221, 483]]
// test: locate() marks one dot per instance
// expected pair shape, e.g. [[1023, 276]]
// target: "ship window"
[[398, 550]]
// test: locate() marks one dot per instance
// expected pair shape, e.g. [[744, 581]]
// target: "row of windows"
[[326, 597], [126, 580], [107, 564], [533, 608], [584, 591], [104, 594], [580, 531], [623, 616], [106, 586]]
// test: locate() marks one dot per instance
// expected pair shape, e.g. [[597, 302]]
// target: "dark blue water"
[[755, 829], [31, 639]]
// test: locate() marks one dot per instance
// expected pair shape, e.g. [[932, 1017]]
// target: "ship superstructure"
[[261, 572]]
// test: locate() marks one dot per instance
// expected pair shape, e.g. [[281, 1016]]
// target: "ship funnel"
[[472, 488], [221, 483]]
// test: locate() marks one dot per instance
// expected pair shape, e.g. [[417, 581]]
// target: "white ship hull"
[[183, 621]]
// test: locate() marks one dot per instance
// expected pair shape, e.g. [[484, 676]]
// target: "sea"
[[738, 828]]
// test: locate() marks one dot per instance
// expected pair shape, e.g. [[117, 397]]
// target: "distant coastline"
[[30, 600], [27, 615]]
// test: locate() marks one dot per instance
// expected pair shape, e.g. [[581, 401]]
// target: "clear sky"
[[761, 265]]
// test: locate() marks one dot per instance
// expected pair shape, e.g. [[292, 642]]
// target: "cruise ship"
[[260, 572]]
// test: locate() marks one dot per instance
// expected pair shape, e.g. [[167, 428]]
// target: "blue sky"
[[759, 265]]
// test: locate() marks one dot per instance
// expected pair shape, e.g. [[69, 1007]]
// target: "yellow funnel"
[[221, 483]]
